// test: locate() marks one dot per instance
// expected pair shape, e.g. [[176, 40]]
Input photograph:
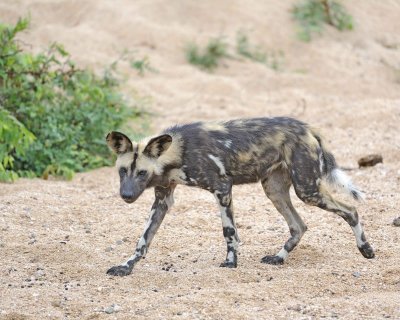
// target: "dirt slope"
[[58, 238]]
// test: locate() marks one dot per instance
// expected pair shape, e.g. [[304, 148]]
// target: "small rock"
[[119, 242], [116, 307], [40, 273], [396, 222], [370, 160], [56, 304], [356, 274], [112, 309], [110, 248], [109, 310], [87, 228], [32, 235], [12, 269]]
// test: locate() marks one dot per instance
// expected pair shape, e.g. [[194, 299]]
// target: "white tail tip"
[[341, 180]]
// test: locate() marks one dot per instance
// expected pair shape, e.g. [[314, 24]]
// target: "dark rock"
[[370, 160], [396, 222]]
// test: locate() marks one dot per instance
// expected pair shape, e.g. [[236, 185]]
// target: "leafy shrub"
[[243, 48], [209, 57], [272, 59], [313, 14], [14, 141], [53, 116], [141, 65]]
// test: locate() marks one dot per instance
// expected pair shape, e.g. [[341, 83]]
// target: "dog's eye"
[[122, 172], [142, 173]]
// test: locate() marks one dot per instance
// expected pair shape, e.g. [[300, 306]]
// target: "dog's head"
[[138, 163]]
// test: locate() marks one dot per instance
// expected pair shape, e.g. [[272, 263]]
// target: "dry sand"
[[58, 238]]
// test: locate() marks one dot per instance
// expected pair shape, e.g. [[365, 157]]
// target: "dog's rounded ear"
[[157, 146], [119, 143]]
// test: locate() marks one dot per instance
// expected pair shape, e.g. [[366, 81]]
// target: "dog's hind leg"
[[276, 187], [306, 179]]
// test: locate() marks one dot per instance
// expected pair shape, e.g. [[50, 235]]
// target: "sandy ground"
[[58, 238]]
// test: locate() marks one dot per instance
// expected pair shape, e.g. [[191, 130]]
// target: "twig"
[[327, 8]]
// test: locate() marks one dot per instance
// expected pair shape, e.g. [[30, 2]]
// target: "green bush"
[[209, 57], [53, 115], [313, 14], [14, 141]]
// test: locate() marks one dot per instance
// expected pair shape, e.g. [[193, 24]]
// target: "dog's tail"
[[333, 174]]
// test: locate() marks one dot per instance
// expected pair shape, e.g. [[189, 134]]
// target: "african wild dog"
[[278, 152]]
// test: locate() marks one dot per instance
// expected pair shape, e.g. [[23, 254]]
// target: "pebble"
[[56, 304], [356, 274], [110, 248], [87, 228], [112, 309], [40, 273], [119, 242], [396, 222]]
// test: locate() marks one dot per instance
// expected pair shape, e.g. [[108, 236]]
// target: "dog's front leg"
[[224, 200], [162, 203]]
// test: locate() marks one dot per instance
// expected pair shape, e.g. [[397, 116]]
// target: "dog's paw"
[[228, 264], [275, 260], [119, 271], [367, 251]]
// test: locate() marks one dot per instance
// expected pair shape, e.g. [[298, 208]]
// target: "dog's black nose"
[[128, 197]]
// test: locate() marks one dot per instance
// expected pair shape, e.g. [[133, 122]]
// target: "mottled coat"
[[279, 152]]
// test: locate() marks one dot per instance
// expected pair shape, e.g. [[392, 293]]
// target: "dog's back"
[[245, 149]]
